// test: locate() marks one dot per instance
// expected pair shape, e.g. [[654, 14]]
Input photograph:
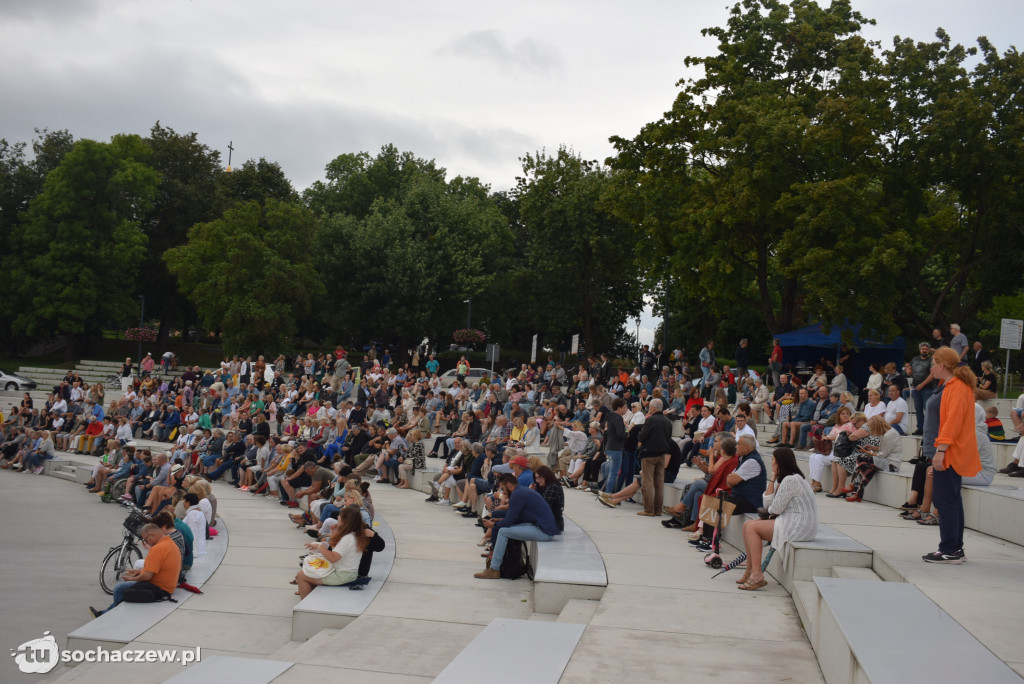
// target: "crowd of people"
[[311, 431]]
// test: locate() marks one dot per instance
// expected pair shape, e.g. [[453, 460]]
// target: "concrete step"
[[543, 617], [845, 572], [578, 611]]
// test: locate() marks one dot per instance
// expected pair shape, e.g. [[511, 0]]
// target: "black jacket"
[[655, 436]]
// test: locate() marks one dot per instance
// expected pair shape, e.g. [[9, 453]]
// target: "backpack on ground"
[[516, 561]]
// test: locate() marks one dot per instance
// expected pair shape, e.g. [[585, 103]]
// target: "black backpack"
[[516, 561]]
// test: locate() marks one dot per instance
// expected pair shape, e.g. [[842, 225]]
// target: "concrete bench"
[[335, 607], [881, 632], [216, 669], [567, 567], [128, 621], [993, 510], [807, 559], [543, 649]]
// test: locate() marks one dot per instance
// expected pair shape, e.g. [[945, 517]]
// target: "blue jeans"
[[627, 470], [614, 463], [692, 498], [921, 398], [523, 532], [898, 429], [948, 501], [226, 465], [119, 594], [35, 459]]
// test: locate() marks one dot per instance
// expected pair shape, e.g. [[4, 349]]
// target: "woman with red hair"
[[950, 442]]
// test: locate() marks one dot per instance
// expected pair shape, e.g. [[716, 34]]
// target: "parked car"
[[448, 377], [11, 382]]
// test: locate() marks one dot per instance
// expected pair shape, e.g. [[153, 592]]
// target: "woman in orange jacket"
[[949, 434]]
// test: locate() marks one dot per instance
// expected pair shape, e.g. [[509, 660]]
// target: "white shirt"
[[197, 524], [872, 411], [746, 430], [894, 408]]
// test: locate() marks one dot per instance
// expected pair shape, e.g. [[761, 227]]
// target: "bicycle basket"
[[134, 523]]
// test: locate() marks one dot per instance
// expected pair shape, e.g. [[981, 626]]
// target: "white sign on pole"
[[1010, 333], [533, 351], [575, 344]]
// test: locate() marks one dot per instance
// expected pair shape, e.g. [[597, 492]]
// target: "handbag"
[[316, 566], [715, 510], [842, 447]]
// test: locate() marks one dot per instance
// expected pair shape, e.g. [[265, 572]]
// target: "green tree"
[[250, 273], [187, 195], [403, 270], [255, 181], [75, 257], [951, 178], [580, 275], [763, 164]]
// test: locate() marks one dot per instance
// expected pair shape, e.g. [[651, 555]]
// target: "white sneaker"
[[444, 502], [461, 504], [434, 485]]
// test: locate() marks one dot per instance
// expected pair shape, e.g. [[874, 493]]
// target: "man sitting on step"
[[528, 518]]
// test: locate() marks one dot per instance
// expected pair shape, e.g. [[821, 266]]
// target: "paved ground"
[[54, 536], [661, 615]]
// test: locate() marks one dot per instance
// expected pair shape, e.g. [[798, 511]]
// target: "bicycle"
[[112, 382], [122, 557]]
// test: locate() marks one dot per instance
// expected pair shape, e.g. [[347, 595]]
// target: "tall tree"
[[187, 195], [424, 246], [580, 257], [250, 273], [75, 258]]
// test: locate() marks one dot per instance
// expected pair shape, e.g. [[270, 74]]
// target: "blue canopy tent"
[[806, 346]]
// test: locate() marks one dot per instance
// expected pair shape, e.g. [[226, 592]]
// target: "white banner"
[[533, 351], [575, 344]]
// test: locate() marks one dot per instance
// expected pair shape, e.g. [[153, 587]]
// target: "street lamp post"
[[142, 318], [469, 312]]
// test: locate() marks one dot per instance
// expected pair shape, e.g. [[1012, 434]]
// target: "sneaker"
[[939, 557], [95, 613], [673, 523], [703, 546], [444, 502], [244, 489], [1017, 473], [694, 535], [432, 497], [695, 542], [461, 504], [434, 485], [607, 501]]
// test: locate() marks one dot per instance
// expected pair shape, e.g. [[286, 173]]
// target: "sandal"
[[911, 515], [753, 587], [907, 506], [746, 576], [928, 519]]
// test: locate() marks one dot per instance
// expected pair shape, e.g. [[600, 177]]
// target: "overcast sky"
[[474, 85]]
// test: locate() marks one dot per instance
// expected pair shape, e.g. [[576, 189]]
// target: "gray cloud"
[[528, 54], [49, 11]]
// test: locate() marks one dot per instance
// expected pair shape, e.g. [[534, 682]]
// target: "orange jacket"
[[956, 428]]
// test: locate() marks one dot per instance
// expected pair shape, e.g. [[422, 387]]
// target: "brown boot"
[[489, 573]]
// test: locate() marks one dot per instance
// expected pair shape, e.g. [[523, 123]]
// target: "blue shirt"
[[526, 478], [432, 366], [527, 506]]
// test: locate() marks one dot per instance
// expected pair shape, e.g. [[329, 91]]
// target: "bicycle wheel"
[[118, 560]]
